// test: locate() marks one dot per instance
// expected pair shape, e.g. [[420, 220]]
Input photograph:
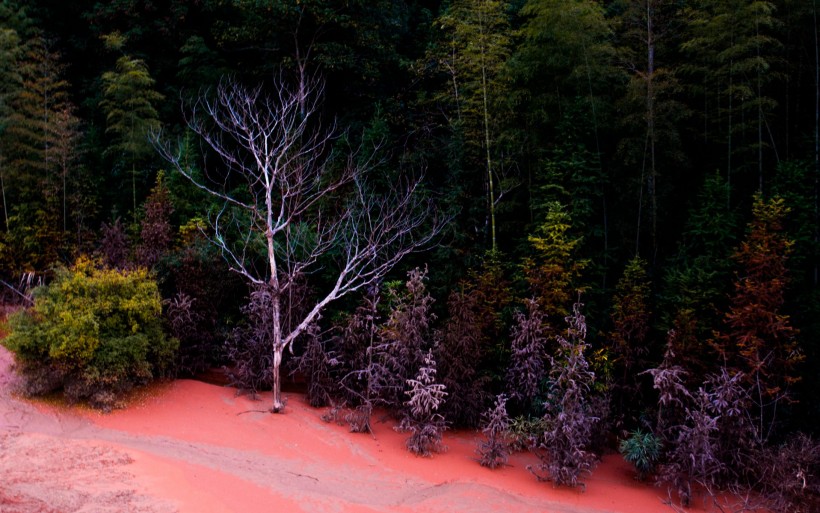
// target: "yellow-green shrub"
[[93, 333]]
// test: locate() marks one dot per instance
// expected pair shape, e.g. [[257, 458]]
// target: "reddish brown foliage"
[[156, 232], [114, 245], [759, 339], [460, 350]]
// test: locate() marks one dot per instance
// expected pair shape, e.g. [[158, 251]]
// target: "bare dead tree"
[[289, 200]]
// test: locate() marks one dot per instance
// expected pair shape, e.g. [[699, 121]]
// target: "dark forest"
[[578, 225]]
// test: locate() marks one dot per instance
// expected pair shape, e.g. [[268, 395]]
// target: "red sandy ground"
[[192, 447]]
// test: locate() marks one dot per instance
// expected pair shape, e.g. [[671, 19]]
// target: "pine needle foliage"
[[405, 337], [643, 450], [758, 338], [130, 113], [460, 351], [629, 337], [494, 450], [425, 397], [553, 270], [129, 105], [156, 232], [564, 446], [528, 359], [248, 346]]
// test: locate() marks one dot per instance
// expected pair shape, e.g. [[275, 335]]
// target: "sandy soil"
[[192, 447]]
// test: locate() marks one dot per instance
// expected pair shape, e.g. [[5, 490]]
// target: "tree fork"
[[272, 144]]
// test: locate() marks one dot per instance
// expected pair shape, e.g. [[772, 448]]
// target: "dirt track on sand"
[[192, 447]]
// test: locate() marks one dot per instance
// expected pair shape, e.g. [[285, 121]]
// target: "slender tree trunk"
[[301, 64], [759, 115], [729, 137], [134, 188], [598, 145], [485, 93], [275, 291], [133, 173], [278, 406], [816, 134], [455, 82], [278, 346], [640, 199], [65, 211], [489, 165], [650, 124], [368, 392], [606, 240], [5, 205], [46, 158]]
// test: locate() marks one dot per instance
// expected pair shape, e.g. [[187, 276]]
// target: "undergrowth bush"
[[316, 364], [643, 450], [564, 446], [203, 297], [425, 397], [460, 350], [495, 450], [249, 346], [184, 321], [528, 359], [93, 334], [788, 475], [404, 337], [361, 373], [523, 432]]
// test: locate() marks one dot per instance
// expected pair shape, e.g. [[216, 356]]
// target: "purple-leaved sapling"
[[570, 417], [422, 419], [459, 353], [528, 361], [404, 339], [495, 450]]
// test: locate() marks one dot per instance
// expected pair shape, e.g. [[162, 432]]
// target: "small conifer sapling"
[[422, 419], [494, 451]]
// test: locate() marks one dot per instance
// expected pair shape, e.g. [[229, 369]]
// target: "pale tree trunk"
[[491, 189], [278, 405], [278, 348], [485, 99], [455, 82], [650, 123], [276, 304], [3, 190], [649, 142]]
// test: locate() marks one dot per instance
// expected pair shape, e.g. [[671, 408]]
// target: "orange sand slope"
[[194, 447]]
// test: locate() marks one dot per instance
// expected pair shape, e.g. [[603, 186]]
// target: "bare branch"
[[288, 199]]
